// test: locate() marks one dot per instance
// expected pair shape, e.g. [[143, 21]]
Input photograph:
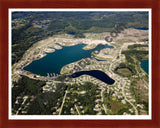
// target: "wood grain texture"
[[6, 4]]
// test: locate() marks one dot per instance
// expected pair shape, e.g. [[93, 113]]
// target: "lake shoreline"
[[42, 47]]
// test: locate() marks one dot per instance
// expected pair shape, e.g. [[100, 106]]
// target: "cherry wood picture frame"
[[105, 4]]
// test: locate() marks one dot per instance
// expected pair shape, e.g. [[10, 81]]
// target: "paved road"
[[102, 100], [115, 60], [77, 109], [63, 102], [136, 112], [21, 106]]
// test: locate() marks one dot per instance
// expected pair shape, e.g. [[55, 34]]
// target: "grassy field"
[[115, 106], [124, 72], [141, 91]]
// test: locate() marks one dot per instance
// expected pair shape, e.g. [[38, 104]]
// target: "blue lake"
[[20, 15], [144, 65], [97, 74], [72, 33], [53, 62], [142, 28]]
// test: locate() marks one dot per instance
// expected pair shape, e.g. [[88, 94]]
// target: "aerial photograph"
[[79, 63]]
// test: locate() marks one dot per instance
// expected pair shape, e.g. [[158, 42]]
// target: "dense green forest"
[[24, 38], [139, 55], [75, 23], [33, 89], [25, 86], [137, 46], [131, 55], [49, 102]]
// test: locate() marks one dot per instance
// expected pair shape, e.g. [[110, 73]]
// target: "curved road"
[[136, 112], [124, 83]]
